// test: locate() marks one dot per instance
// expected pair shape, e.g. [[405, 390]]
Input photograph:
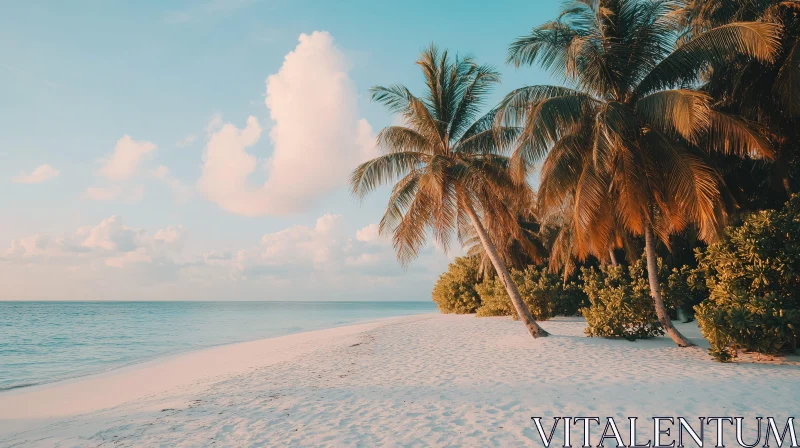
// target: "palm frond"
[[384, 169], [729, 134], [683, 112], [787, 83], [759, 40]]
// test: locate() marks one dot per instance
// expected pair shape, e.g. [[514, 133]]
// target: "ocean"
[[42, 342]]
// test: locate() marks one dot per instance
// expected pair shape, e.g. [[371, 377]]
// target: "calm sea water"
[[42, 342]]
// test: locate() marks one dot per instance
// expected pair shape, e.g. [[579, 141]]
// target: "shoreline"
[[423, 380], [101, 368], [54, 399]]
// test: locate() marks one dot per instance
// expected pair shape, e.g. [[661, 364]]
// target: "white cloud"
[[326, 250], [172, 236], [227, 165], [123, 174], [113, 260], [128, 155], [370, 234], [31, 246], [40, 174], [318, 137], [111, 235], [110, 243]]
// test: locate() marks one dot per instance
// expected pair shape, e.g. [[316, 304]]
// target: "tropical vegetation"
[[753, 275], [455, 291], [671, 130], [544, 294]]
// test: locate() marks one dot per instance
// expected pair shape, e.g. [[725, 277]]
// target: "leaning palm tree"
[[447, 166], [630, 135]]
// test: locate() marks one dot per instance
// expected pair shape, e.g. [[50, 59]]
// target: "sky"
[[200, 150]]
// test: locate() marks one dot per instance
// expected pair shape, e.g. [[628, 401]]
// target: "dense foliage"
[[753, 275], [626, 145], [686, 288], [455, 292], [544, 293], [620, 302], [671, 119]]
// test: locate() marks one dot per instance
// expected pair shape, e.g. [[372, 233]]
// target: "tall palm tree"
[[447, 166], [630, 135]]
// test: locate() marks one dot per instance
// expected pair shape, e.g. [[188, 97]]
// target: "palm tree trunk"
[[655, 291], [502, 272], [613, 256], [787, 187]]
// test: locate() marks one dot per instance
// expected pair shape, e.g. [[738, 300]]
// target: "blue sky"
[[181, 80]]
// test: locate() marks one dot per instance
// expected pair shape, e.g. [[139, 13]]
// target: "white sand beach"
[[428, 380]]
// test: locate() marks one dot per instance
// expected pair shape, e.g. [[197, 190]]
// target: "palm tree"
[[767, 92], [629, 135], [446, 165]]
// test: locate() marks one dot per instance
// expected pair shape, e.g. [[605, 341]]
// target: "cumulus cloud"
[[125, 160], [322, 260], [296, 250], [40, 174], [317, 137], [111, 242], [124, 170], [369, 234], [326, 249], [111, 235]]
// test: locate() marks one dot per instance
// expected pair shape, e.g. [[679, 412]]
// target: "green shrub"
[[571, 300], [494, 299], [454, 292], [542, 291], [753, 275], [685, 288], [621, 306]]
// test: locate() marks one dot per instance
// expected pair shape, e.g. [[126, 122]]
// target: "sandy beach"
[[412, 381]]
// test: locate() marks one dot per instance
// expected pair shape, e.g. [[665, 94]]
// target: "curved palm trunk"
[[502, 272], [655, 291]]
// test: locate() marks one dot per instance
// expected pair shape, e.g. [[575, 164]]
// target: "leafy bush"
[[494, 298], [454, 292], [621, 306], [542, 291], [685, 288], [753, 275], [570, 300]]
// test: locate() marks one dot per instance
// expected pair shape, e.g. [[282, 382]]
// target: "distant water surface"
[[42, 342]]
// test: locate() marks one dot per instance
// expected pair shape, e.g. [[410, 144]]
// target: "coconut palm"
[[446, 165], [626, 143], [767, 92]]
